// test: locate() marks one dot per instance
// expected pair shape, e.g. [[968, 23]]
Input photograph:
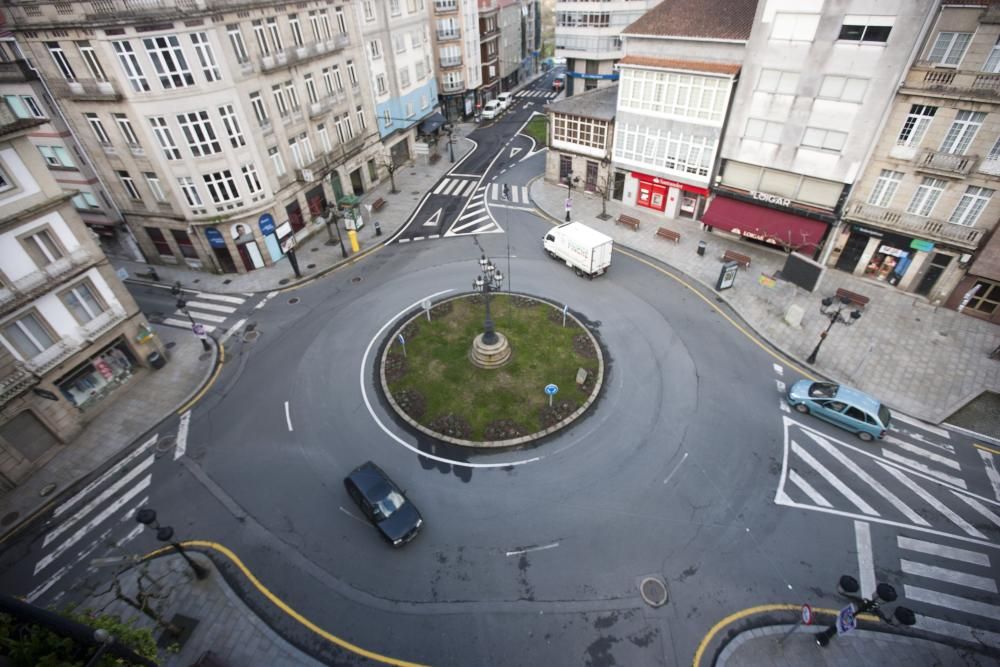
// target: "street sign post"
[[551, 390], [199, 330], [805, 619], [426, 305], [846, 620], [402, 341], [565, 309]]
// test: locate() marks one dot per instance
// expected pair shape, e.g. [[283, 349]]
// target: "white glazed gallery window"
[[251, 178], [90, 59], [190, 190], [276, 161], [962, 131], [126, 180], [949, 48], [794, 27], [915, 125], [206, 57], [232, 125], [885, 188], [130, 65], [580, 131], [674, 94], [98, 127], [125, 126], [275, 33], [28, 335], [776, 81], [823, 139], [82, 302], [221, 186], [153, 181], [164, 137], [168, 61], [259, 110], [971, 206], [926, 196], [236, 41], [293, 23], [763, 130], [61, 61], [56, 156], [199, 133], [843, 88]]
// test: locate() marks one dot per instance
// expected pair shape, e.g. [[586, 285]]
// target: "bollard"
[[378, 228], [701, 248]]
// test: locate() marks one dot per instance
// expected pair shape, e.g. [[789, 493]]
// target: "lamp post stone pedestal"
[[490, 349]]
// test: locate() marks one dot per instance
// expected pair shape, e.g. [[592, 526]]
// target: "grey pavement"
[[924, 360]]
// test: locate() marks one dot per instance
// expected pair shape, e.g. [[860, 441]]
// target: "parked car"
[[382, 502], [842, 406], [559, 82], [492, 109], [505, 99]]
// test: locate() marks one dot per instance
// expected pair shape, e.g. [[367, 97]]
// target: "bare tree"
[[603, 190], [391, 166]]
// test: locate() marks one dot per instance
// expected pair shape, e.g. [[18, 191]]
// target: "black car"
[[384, 504]]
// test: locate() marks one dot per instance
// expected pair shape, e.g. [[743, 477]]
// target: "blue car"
[[842, 406]]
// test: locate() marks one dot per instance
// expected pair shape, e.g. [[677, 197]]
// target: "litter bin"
[[156, 360], [378, 228], [701, 248]]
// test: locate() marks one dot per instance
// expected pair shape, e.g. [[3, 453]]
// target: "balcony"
[[489, 30], [448, 35], [38, 282], [450, 62], [916, 225], [54, 355], [16, 384], [445, 6], [16, 72], [296, 55], [102, 324], [925, 78], [946, 164], [452, 85], [86, 90]]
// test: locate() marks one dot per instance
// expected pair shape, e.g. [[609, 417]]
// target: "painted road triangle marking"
[[514, 151], [434, 220]]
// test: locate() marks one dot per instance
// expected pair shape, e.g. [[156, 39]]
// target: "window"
[[236, 41], [843, 88], [419, 70], [293, 95], [232, 126], [424, 102], [380, 84], [394, 7], [915, 125], [369, 10], [159, 242], [314, 24], [190, 190], [885, 188], [28, 335], [926, 196], [293, 22], [828, 140], [360, 114], [153, 181], [763, 130], [673, 150], [970, 206], [184, 244], [404, 77], [43, 248], [324, 19], [399, 42], [129, 185], [5, 182], [62, 63], [199, 133], [261, 37], [297, 158], [32, 105], [327, 81], [279, 164], [352, 75], [93, 64], [579, 131], [306, 146], [992, 63], [798, 27], [251, 179], [206, 57], [272, 29], [337, 79], [324, 138], [221, 186], [994, 153], [872, 29], [374, 49], [98, 127], [130, 64], [386, 120], [565, 168], [311, 89], [125, 125], [961, 132], [86, 201], [409, 109], [17, 106], [166, 140], [259, 110], [986, 297], [56, 156], [82, 302], [168, 61], [949, 47], [341, 22], [279, 100], [692, 95]]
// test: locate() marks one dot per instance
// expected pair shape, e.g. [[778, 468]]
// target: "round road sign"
[[807, 614], [551, 389]]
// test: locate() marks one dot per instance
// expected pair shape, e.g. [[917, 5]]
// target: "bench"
[[733, 256], [378, 204], [628, 221], [668, 234], [852, 297]]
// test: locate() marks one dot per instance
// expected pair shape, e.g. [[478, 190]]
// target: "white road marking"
[[683, 458], [213, 307], [967, 633], [517, 552], [471, 223], [232, 330], [778, 369], [434, 220], [919, 424], [945, 574], [780, 385], [866, 561], [832, 480], [920, 451], [288, 417], [932, 501], [991, 471], [979, 507], [943, 551], [808, 489], [103, 478], [185, 324], [182, 435], [917, 465], [134, 533], [47, 584], [783, 406], [949, 601], [221, 297], [919, 438], [514, 152], [441, 186]]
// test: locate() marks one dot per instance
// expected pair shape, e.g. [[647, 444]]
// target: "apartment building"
[[925, 203], [70, 334], [489, 51], [222, 131], [588, 36], [678, 73], [817, 82], [457, 56], [581, 131], [399, 52]]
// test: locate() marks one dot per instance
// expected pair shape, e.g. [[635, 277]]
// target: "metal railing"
[[947, 162], [37, 282], [446, 35], [445, 6], [451, 62], [86, 89], [917, 225], [925, 76], [452, 85]]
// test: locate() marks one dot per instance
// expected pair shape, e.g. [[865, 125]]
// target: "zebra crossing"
[[210, 310], [517, 195], [475, 218], [541, 94], [456, 187]]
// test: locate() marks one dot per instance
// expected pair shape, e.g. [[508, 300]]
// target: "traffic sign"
[[198, 329], [807, 614], [845, 620], [551, 389], [569, 204]]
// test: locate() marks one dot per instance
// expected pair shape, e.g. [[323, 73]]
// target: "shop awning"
[[432, 123], [787, 230]]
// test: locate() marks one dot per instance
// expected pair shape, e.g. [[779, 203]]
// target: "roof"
[[693, 65], [705, 19], [599, 104]]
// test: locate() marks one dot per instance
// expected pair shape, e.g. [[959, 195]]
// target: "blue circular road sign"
[[551, 389]]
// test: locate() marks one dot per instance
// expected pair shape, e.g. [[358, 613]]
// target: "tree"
[[603, 190], [30, 644], [391, 166]]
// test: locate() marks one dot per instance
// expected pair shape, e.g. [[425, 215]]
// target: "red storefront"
[[657, 193]]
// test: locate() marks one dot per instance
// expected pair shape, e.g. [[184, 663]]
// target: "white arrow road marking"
[[182, 435], [434, 220], [514, 151], [778, 369], [103, 478]]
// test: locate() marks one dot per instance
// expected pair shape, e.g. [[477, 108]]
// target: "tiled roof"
[[707, 19], [693, 65], [599, 104]]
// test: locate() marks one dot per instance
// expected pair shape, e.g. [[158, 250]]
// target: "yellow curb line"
[[309, 625], [760, 609], [208, 385], [985, 448]]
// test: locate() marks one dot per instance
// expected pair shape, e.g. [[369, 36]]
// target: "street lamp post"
[[834, 316], [490, 280], [451, 142], [848, 587], [147, 517], [570, 181]]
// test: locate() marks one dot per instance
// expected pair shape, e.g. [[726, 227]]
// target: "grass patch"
[[538, 129], [491, 404]]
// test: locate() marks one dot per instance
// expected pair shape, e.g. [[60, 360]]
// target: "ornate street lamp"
[[147, 517], [570, 181], [490, 280], [848, 587], [835, 316]]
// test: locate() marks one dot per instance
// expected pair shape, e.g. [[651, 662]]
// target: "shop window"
[[92, 381], [159, 242], [29, 335], [986, 298], [183, 242]]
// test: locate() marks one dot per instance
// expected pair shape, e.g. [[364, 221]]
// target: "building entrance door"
[[357, 182], [851, 254], [618, 188], [939, 262]]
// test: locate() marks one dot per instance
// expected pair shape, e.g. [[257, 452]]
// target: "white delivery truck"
[[585, 250]]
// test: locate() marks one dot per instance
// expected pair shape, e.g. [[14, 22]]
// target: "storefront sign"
[[266, 223], [864, 230], [921, 245], [584, 75], [103, 368], [757, 236], [283, 230], [771, 199], [214, 237], [889, 250], [656, 180], [46, 394]]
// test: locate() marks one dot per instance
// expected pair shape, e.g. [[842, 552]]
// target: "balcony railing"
[[103, 323], [299, 54], [916, 225], [89, 90], [54, 355], [16, 71], [451, 62], [925, 77], [947, 164], [452, 85], [445, 6], [72, 343], [37, 282], [447, 35]]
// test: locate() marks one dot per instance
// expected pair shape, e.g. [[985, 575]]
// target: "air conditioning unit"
[[307, 175]]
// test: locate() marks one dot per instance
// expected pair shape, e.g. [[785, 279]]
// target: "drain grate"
[[251, 336], [653, 591], [251, 326], [226, 281], [283, 281], [166, 444]]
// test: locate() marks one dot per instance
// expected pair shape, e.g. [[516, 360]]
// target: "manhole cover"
[[413, 173], [356, 279], [226, 281], [166, 444], [316, 249], [653, 591], [170, 345], [294, 300], [310, 266], [283, 281], [251, 336], [9, 518], [47, 489]]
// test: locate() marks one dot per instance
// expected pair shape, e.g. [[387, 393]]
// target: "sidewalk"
[[924, 360]]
